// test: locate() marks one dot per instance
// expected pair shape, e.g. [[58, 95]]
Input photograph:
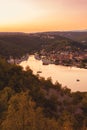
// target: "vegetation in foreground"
[[28, 102]]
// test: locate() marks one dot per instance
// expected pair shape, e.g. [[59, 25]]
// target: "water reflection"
[[67, 76]]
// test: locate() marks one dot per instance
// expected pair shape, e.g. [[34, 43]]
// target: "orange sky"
[[42, 15]]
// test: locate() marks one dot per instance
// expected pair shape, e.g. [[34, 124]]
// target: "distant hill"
[[59, 41], [78, 35], [17, 44]]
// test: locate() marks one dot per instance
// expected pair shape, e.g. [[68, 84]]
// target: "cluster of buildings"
[[68, 58], [12, 60]]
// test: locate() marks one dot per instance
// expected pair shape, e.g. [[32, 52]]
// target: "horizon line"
[[80, 30]]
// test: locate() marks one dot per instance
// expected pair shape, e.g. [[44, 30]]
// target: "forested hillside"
[[79, 36], [28, 102], [17, 45]]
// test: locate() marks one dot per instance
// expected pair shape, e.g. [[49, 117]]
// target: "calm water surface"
[[67, 76]]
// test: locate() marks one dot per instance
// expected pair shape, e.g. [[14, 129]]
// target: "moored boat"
[[77, 80]]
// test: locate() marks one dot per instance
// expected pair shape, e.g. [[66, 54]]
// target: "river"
[[72, 77]]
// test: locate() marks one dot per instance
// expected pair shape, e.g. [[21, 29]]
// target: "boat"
[[77, 80], [39, 71], [45, 61], [37, 57]]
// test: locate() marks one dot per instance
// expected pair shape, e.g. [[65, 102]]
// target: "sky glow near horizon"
[[42, 15]]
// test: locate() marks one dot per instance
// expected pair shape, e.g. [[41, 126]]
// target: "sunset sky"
[[42, 15]]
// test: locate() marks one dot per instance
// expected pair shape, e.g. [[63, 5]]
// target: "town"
[[66, 58]]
